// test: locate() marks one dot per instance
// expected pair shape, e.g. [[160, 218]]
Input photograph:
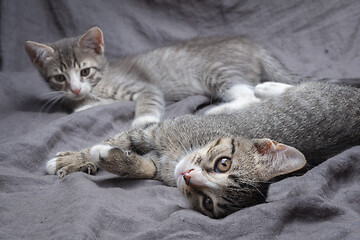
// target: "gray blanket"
[[320, 38]]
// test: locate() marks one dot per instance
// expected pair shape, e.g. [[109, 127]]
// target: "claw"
[[62, 174], [89, 170]]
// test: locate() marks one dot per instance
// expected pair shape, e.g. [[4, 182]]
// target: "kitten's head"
[[232, 173], [72, 65]]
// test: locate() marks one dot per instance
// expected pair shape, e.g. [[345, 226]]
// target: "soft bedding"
[[320, 38]]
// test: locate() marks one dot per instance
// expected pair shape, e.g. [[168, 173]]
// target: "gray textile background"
[[320, 38]]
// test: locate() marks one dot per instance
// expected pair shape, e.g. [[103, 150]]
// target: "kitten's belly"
[[182, 93]]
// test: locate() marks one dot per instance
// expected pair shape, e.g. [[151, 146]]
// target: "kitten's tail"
[[275, 71]]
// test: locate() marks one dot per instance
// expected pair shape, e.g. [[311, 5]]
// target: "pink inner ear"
[[98, 42], [93, 39], [32, 54], [38, 52], [264, 147], [276, 159], [268, 146]]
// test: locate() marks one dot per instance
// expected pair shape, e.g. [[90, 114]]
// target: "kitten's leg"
[[122, 162], [271, 89], [93, 104], [69, 162], [149, 107], [237, 97]]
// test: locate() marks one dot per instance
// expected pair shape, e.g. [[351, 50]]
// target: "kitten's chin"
[[76, 98]]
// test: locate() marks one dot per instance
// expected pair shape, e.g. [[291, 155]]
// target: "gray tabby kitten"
[[226, 69], [222, 163]]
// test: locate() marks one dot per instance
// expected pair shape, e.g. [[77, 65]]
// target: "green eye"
[[208, 203], [60, 78], [85, 72], [222, 165]]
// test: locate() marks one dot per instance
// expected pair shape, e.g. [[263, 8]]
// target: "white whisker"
[[56, 96]]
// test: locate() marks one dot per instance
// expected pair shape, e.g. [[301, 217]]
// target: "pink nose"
[[76, 91], [187, 177]]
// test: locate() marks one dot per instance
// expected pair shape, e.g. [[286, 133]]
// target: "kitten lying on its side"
[[222, 163], [226, 69]]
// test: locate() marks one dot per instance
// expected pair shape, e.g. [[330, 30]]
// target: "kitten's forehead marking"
[[76, 62], [233, 146]]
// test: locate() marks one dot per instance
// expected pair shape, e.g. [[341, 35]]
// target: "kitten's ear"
[[274, 159], [38, 52], [93, 40]]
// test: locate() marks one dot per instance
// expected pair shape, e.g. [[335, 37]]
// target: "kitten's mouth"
[[80, 97], [76, 97]]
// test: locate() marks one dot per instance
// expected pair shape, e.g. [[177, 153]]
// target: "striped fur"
[[224, 69], [319, 119]]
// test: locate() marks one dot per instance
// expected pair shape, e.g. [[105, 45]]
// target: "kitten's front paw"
[[144, 120], [82, 108], [69, 162]]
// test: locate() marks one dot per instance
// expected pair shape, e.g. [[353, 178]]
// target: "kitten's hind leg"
[[237, 97], [270, 89], [123, 163]]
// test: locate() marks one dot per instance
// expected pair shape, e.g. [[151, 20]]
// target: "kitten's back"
[[205, 65]]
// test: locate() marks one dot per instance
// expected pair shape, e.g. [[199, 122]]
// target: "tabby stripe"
[[211, 148], [228, 207], [233, 177], [233, 146], [228, 199], [76, 61], [149, 104], [156, 101], [196, 159], [217, 142], [132, 96], [114, 94], [62, 65]]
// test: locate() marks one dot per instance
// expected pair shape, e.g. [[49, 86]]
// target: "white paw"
[[218, 110], [143, 120], [270, 89], [99, 151], [51, 166], [82, 108]]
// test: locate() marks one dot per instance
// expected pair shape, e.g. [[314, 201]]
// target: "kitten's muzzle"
[[195, 178]]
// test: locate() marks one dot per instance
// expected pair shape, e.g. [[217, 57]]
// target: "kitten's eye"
[[85, 72], [208, 203], [222, 165], [60, 78]]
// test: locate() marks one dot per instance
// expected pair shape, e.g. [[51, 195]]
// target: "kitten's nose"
[[76, 91], [187, 176]]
